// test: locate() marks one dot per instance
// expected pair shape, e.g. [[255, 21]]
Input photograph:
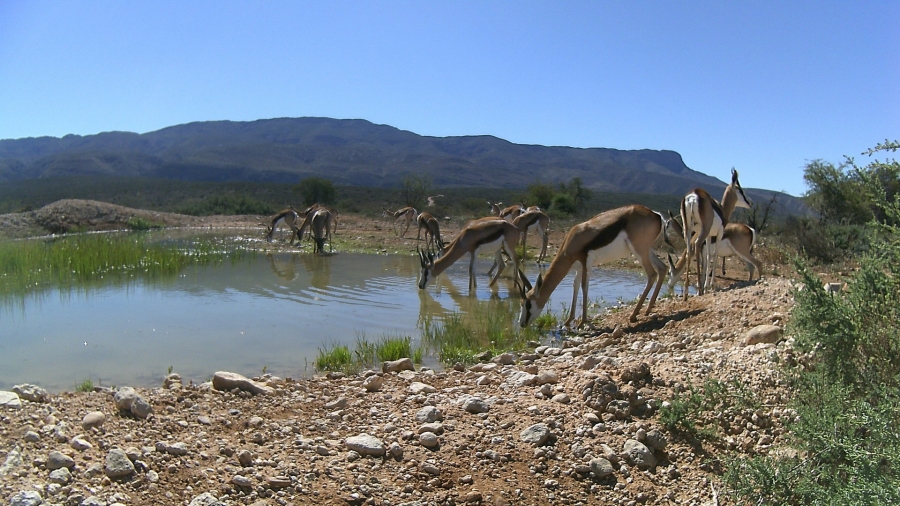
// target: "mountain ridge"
[[348, 152]]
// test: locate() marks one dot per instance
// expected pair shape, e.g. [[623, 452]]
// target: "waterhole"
[[271, 312]]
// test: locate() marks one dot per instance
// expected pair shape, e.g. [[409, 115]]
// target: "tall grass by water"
[[82, 260], [366, 353], [461, 338]]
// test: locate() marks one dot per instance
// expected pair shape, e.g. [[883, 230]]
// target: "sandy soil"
[[452, 437]]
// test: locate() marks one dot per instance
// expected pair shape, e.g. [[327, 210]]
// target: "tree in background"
[[835, 194], [576, 190], [415, 190], [316, 190], [540, 194], [567, 199]]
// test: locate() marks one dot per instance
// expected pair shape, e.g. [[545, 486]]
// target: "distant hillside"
[[348, 152]]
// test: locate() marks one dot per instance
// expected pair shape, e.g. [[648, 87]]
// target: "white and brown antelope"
[[320, 221], [704, 218], [406, 214], [609, 236], [507, 213], [333, 211], [477, 237], [290, 217], [432, 229], [533, 217], [738, 240]]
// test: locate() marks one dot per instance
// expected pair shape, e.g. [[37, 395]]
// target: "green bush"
[[846, 436]]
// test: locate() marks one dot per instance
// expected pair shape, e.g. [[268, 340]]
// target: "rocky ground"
[[575, 424]]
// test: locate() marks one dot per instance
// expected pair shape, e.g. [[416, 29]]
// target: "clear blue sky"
[[763, 87]]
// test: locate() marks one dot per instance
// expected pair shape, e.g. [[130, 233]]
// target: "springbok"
[[478, 236], [737, 240], [432, 229], [407, 214], [534, 218], [531, 218], [289, 216], [320, 221], [609, 236], [703, 218], [507, 213]]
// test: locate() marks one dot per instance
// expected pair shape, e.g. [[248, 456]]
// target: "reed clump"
[[463, 338], [76, 261]]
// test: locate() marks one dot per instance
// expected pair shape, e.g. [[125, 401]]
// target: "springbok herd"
[[608, 236]]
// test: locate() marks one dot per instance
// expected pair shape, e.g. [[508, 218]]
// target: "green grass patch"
[[139, 224], [460, 338], [334, 358], [85, 386], [366, 354], [77, 261]]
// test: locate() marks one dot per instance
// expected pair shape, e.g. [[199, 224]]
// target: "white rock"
[[365, 444]]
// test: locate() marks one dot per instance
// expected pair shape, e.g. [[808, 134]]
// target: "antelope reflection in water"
[[285, 266]]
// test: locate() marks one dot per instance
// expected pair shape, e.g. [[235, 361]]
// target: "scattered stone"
[[418, 387], [245, 458], [61, 476], [177, 449], [94, 419], [429, 414], [638, 455], [13, 462], [206, 499], [475, 405], [228, 381], [172, 381], [278, 481], [404, 364], [118, 464], [242, 481], [430, 468], [373, 383], [428, 439], [364, 444], [141, 408], [601, 467], [769, 334], [547, 377], [10, 400], [561, 398], [656, 440], [31, 393], [124, 397], [58, 460], [536, 434], [26, 498]]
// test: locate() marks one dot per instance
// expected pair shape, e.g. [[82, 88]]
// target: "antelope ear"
[[526, 285], [671, 264], [538, 283]]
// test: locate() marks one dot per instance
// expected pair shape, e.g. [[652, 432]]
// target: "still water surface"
[[273, 311]]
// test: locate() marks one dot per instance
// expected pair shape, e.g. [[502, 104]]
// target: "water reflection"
[[272, 311]]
